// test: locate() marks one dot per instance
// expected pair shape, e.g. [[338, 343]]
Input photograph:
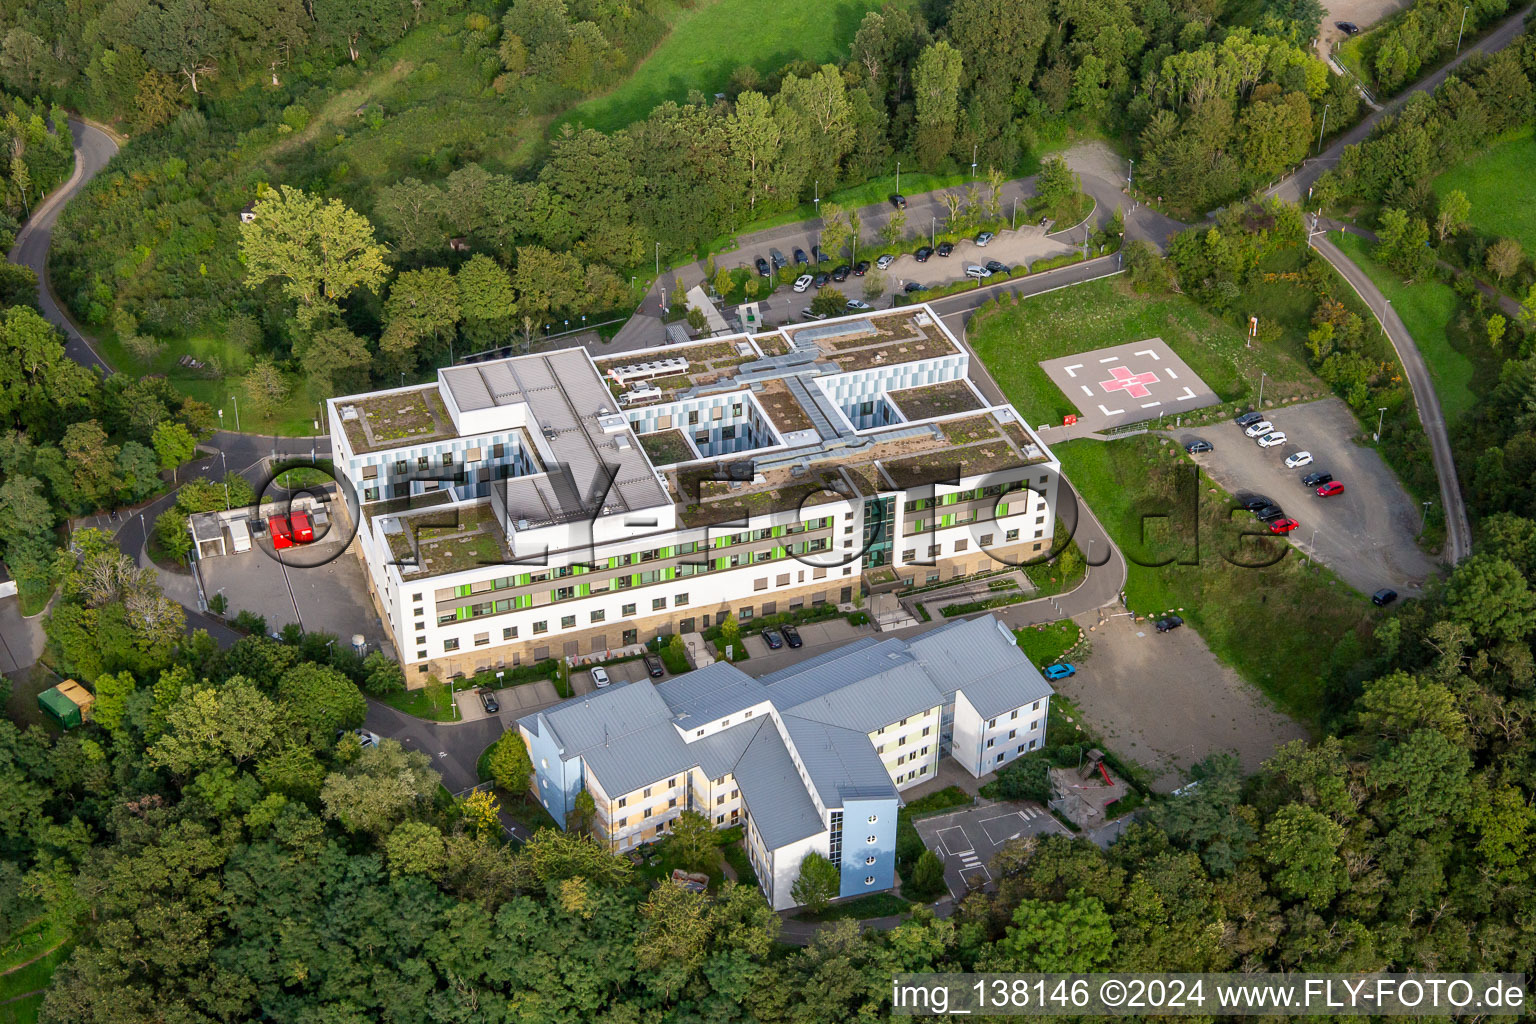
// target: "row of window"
[[989, 491]]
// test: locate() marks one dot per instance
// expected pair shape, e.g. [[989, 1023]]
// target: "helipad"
[[1128, 383]]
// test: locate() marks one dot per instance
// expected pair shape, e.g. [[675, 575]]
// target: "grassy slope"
[[1427, 309], [1125, 480], [709, 42], [1501, 184]]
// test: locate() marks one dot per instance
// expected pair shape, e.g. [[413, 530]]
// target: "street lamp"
[[1381, 414], [973, 159], [1130, 179], [1014, 220], [232, 398], [1320, 136], [658, 259], [1459, 31], [817, 199], [1262, 375], [933, 232], [1424, 520], [898, 177]]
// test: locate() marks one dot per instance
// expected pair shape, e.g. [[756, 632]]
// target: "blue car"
[[1060, 671]]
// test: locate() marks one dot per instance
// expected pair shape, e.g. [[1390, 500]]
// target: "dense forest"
[[222, 856], [1212, 101]]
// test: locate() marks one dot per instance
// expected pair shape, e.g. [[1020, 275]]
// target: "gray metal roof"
[[980, 657], [710, 693], [777, 801], [842, 763], [826, 658], [720, 751], [864, 689]]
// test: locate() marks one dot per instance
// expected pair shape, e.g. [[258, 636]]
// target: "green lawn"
[[1287, 627], [1501, 183], [713, 39], [860, 908], [433, 702], [1045, 644], [33, 941], [1428, 310], [1013, 340]]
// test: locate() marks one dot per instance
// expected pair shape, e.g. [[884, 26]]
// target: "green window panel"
[[669, 573], [1002, 509], [947, 520], [461, 591], [722, 563], [462, 613], [778, 531], [583, 589]]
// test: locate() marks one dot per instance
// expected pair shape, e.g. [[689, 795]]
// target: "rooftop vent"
[[348, 413], [550, 433]]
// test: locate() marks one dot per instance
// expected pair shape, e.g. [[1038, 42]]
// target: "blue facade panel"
[[858, 851], [558, 781]]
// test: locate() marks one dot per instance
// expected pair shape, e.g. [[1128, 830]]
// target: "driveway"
[[1164, 701], [453, 747], [21, 640], [328, 598], [968, 839], [1367, 534]]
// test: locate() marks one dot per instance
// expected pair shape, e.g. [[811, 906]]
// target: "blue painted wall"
[[857, 828], [560, 782]]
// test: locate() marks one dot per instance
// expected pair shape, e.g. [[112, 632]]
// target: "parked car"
[[861, 268], [763, 268], [600, 677], [1061, 671], [365, 739], [913, 286], [1298, 460], [1329, 489], [1249, 418], [772, 638], [489, 702], [922, 254], [811, 314], [800, 257], [1199, 445], [1269, 513], [792, 637], [1171, 622], [899, 201], [1271, 439], [996, 266], [777, 258], [1384, 597], [1349, 28], [980, 273], [822, 277], [945, 248], [653, 666], [855, 305], [985, 237], [1317, 479], [841, 273], [1253, 502], [1261, 427], [1283, 525], [803, 282], [885, 261]]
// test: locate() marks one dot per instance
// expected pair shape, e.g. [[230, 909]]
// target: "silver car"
[[983, 238]]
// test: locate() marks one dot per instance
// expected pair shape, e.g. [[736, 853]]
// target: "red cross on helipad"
[[1133, 384]]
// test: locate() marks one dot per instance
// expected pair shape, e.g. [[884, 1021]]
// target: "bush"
[[1028, 778], [382, 675], [927, 878], [251, 623]]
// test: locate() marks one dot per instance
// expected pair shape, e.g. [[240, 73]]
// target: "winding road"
[[93, 149]]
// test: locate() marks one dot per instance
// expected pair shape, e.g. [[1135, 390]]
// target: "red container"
[[303, 531], [277, 529]]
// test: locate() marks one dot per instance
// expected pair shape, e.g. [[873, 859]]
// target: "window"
[[1036, 706], [447, 458], [599, 615], [680, 601], [623, 800], [510, 633], [744, 614], [909, 555], [986, 540], [992, 724], [874, 818], [1014, 714], [450, 645], [481, 639], [657, 604], [628, 611], [421, 462], [1001, 756], [871, 840], [420, 655], [869, 879], [961, 545], [647, 791], [416, 598], [540, 627], [567, 622], [760, 584], [1011, 535], [990, 742], [869, 860]]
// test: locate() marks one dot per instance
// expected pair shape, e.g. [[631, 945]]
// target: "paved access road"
[[93, 148]]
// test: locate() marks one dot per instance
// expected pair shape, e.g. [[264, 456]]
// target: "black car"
[[922, 254], [801, 257], [996, 266], [1349, 28], [1383, 597], [1171, 622], [653, 666], [861, 268], [1253, 502], [821, 278], [792, 637], [945, 248], [816, 254], [1269, 513], [762, 267], [489, 702], [1317, 479], [899, 201], [772, 639], [777, 258], [1248, 419], [841, 273], [912, 286], [1197, 446]]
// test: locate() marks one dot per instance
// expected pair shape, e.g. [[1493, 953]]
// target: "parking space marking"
[[1014, 828], [969, 847]]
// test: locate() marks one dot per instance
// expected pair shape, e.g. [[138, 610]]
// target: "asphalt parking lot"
[[968, 839], [1367, 534], [621, 672]]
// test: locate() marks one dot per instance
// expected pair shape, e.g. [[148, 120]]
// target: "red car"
[[1285, 525], [1329, 489]]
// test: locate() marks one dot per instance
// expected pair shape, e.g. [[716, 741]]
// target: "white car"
[[803, 282], [857, 304], [1261, 427], [983, 238], [979, 273], [600, 678], [1271, 439], [1298, 460], [885, 261]]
